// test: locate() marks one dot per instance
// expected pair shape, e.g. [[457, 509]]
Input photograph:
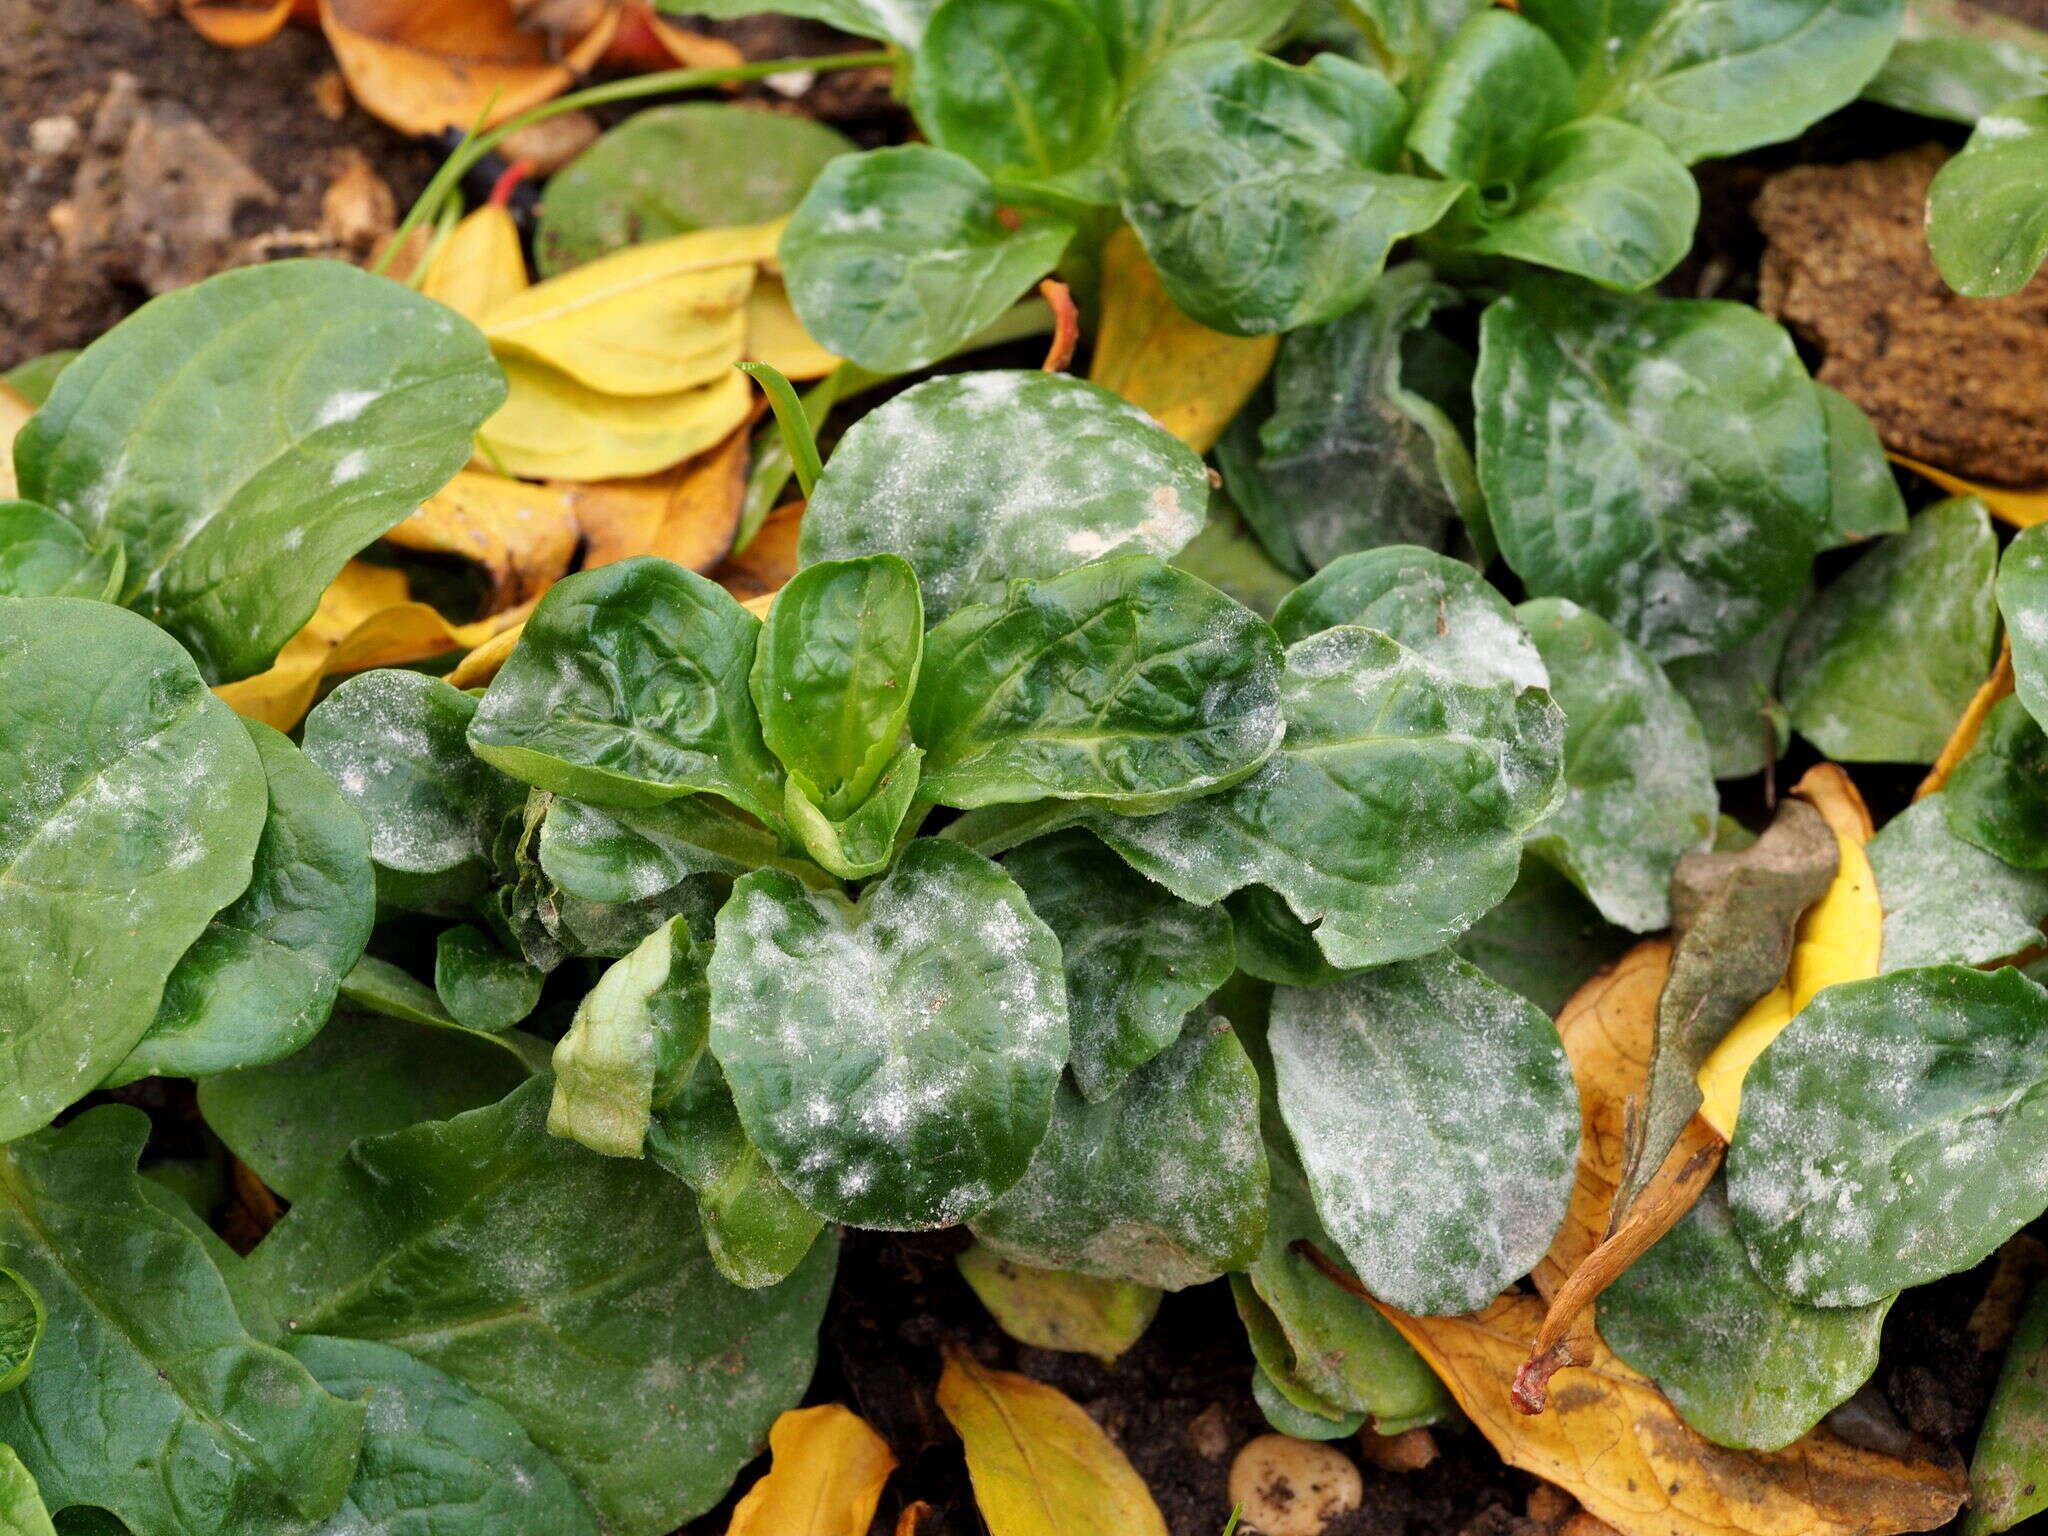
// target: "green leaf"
[[2008, 1482], [861, 842], [1053, 1309], [392, 991], [393, 743], [1351, 457], [21, 1326], [1946, 900], [1710, 80], [363, 1075], [44, 555], [1743, 1365], [1498, 87], [1273, 944], [134, 804], [1987, 218], [980, 479], [898, 257], [1661, 461], [1163, 1183], [1864, 499], [34, 379], [1735, 696], [1228, 556], [1125, 682], [629, 687], [2022, 589], [900, 22], [1141, 32], [1995, 797], [1639, 787], [1019, 87], [22, 1511], [1266, 194], [1404, 36], [262, 978], [1438, 1125], [1138, 959], [1959, 61], [834, 673], [1893, 1133], [894, 1059], [1391, 817], [483, 986], [1544, 940], [572, 1290], [436, 1455], [671, 170], [1289, 1418], [149, 1397], [1881, 668], [243, 437]]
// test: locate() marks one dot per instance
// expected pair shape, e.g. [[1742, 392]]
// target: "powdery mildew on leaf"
[[1946, 900]]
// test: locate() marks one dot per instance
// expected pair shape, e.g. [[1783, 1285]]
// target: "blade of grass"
[[799, 439]]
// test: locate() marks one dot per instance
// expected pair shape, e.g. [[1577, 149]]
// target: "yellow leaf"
[[1041, 1466], [237, 23], [647, 320], [482, 664], [1994, 688], [825, 1479], [1838, 939], [1191, 379], [1612, 1441], [523, 536], [1049, 1309], [15, 411], [480, 267], [2022, 509], [553, 428], [687, 514], [776, 337]]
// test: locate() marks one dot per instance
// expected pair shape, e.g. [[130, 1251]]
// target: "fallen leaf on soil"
[[1048, 1309], [1964, 736], [523, 536], [690, 50], [2022, 508], [765, 566], [237, 23], [1289, 1487], [1614, 1442], [825, 1479], [776, 337], [358, 208], [553, 428], [687, 514], [482, 664], [1040, 1465], [1191, 379], [15, 411], [481, 265]]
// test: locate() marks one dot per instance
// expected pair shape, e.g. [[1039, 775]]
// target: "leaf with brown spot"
[[236, 23], [687, 514], [825, 1479], [522, 536]]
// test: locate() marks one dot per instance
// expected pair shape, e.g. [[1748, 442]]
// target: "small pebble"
[[53, 136], [1290, 1487]]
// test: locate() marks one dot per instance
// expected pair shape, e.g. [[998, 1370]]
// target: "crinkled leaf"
[[1639, 787], [1544, 939], [1056, 1309], [243, 437], [1735, 696], [482, 985], [21, 1325], [980, 479], [1946, 900], [2006, 1473], [1019, 87], [44, 555], [1495, 89], [1864, 498], [1987, 220], [135, 800], [609, 854], [1997, 797], [1881, 667], [894, 1060]]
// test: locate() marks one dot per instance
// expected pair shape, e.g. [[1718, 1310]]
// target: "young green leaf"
[[44, 555], [1639, 788], [1615, 475], [21, 1327], [22, 1510], [629, 687], [1864, 499], [134, 806], [1997, 797], [1126, 682], [1987, 218], [1138, 959], [1437, 1123], [2007, 1481], [33, 380], [1956, 61], [899, 256], [1893, 1133], [1948, 901], [1163, 1183], [1020, 87], [1284, 1415], [1498, 86], [243, 437], [1881, 667], [980, 479], [572, 1290], [262, 978], [1735, 696], [894, 1059], [1052, 1309], [1266, 194], [1544, 940], [612, 854], [481, 984], [1391, 817], [1141, 32], [149, 1397]]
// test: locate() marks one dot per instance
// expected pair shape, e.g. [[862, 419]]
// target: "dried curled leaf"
[[825, 1480], [687, 514], [1998, 686], [236, 23], [523, 536], [552, 427], [2020, 508], [480, 267]]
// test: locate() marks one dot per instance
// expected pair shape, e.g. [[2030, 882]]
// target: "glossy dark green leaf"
[[1864, 497], [1987, 218], [34, 379], [1138, 959], [894, 1060], [1639, 787], [1735, 696], [1273, 944], [1616, 472], [1881, 667], [262, 978], [1266, 194], [1946, 900], [1894, 1133], [134, 804], [22, 1511], [437, 1456], [393, 743], [1125, 682], [1227, 555], [1959, 61], [861, 842], [1019, 87], [44, 555], [898, 256], [2022, 589], [1743, 1365], [482, 984], [1498, 86], [1164, 1182], [1997, 797], [149, 1397], [1141, 32], [980, 479], [392, 991], [21, 1326], [896, 21], [1391, 817], [363, 1075], [243, 437], [629, 687], [2008, 1481], [1544, 939], [1708, 80], [671, 170], [570, 1289], [1437, 1123]]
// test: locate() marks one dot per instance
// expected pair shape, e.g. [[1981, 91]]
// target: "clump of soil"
[[1950, 380]]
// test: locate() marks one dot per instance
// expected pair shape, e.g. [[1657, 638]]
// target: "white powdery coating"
[[344, 405], [437, 832], [1947, 900]]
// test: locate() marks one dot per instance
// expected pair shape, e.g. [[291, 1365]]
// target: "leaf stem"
[[799, 439]]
